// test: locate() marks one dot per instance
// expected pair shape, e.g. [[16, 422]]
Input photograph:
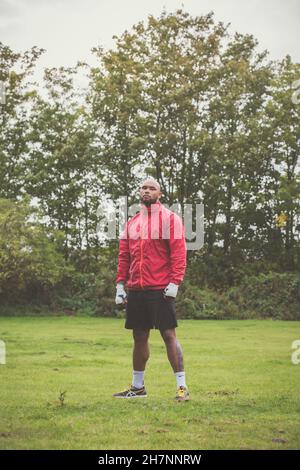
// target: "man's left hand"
[[171, 290]]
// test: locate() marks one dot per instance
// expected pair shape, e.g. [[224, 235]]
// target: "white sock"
[[180, 379], [138, 378]]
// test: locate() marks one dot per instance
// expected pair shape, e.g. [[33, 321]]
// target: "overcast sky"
[[68, 29]]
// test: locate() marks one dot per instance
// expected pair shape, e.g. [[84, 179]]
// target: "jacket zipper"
[[141, 282]]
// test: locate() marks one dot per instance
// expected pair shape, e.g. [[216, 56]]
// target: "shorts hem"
[[152, 327]]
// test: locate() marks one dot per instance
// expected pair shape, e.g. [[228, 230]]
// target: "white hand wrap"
[[171, 290], [121, 294]]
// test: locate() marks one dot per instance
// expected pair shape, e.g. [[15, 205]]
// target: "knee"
[[168, 336], [140, 336]]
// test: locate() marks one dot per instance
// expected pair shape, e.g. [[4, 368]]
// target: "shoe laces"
[[181, 391]]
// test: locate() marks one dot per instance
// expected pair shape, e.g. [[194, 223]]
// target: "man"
[[152, 264]]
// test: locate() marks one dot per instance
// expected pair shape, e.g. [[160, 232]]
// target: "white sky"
[[68, 29]]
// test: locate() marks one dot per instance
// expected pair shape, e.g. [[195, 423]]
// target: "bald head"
[[151, 181], [150, 191]]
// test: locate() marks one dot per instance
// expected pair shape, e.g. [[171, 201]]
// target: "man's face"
[[149, 192]]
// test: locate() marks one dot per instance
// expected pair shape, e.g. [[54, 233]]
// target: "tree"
[[30, 262], [15, 71], [61, 172], [284, 117]]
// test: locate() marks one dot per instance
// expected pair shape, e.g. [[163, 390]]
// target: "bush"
[[272, 295], [30, 260], [193, 302]]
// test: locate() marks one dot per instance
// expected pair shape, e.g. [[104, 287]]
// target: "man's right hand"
[[121, 296]]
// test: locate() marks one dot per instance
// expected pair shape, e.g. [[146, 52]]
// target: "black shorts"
[[148, 309]]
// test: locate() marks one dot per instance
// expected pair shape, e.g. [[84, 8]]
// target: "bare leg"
[[141, 350], [174, 350]]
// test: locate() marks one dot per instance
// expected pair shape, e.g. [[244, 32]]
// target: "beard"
[[148, 201]]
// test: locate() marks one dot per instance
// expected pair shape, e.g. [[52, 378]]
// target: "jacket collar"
[[151, 209]]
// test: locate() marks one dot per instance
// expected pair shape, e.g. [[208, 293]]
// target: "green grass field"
[[244, 387]]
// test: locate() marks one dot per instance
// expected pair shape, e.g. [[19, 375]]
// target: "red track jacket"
[[152, 249]]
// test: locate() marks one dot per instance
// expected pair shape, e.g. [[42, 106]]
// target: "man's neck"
[[150, 206]]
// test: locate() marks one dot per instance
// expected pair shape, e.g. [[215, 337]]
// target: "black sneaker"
[[132, 392]]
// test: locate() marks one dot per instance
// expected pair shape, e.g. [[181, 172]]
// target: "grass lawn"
[[244, 387]]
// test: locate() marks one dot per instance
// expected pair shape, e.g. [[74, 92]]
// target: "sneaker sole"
[[128, 398], [182, 399]]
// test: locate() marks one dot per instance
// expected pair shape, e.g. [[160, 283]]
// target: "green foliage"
[[30, 262], [197, 303], [273, 295], [178, 97], [219, 271], [15, 71], [75, 294]]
